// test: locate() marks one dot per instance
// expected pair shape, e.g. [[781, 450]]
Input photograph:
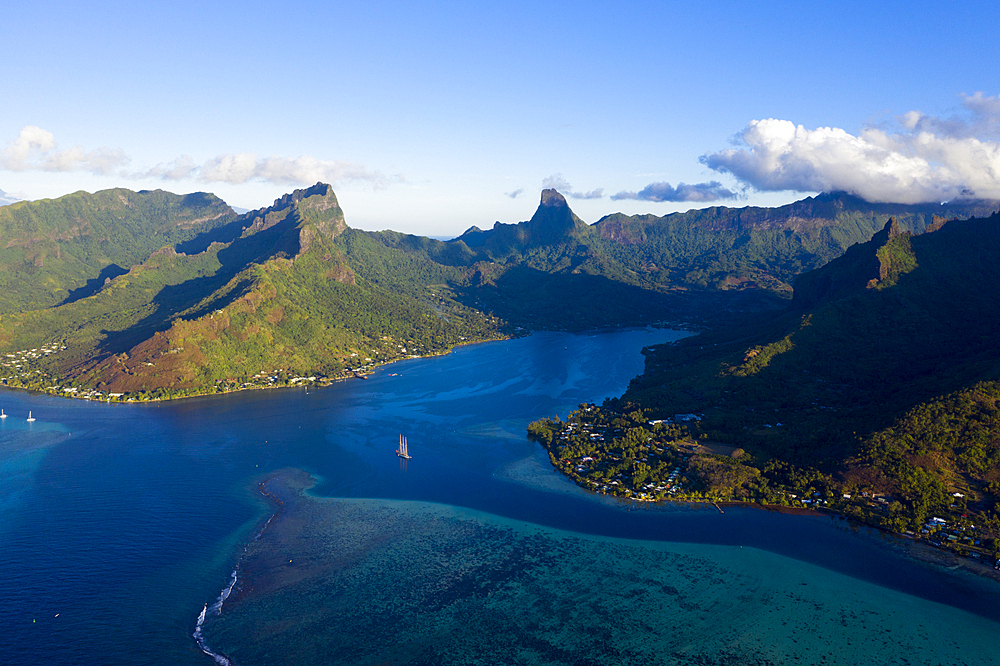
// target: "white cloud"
[[238, 168], [700, 192], [981, 119], [7, 199], [34, 149], [557, 182], [182, 168], [929, 159], [289, 170]]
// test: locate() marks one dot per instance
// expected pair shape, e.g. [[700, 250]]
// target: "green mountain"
[[715, 248], [874, 387], [166, 295], [882, 376], [704, 263], [58, 250], [552, 224], [259, 301]]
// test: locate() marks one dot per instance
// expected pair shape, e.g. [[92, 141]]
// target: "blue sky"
[[432, 119]]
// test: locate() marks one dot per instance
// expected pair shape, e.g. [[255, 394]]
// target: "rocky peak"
[[889, 231], [553, 221], [863, 266], [319, 189], [552, 199]]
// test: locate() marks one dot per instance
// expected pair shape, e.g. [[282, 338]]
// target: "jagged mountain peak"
[[553, 219], [863, 266], [319, 189], [888, 232], [553, 223], [552, 198], [316, 205]]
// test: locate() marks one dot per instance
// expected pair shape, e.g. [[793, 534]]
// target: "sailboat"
[[2, 415], [30, 417], [401, 451]]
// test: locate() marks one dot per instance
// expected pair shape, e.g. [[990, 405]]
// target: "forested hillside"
[[155, 295], [264, 300], [58, 250], [877, 392]]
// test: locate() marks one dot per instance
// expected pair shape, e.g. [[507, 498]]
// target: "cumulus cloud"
[[701, 192], [926, 159], [35, 149], [557, 182], [182, 168], [515, 194], [981, 119], [238, 168]]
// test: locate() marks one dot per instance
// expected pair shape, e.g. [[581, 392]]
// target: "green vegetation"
[[876, 393], [57, 250], [712, 266], [618, 453], [717, 248], [271, 300]]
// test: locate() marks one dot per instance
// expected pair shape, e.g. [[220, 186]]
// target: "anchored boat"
[[401, 451]]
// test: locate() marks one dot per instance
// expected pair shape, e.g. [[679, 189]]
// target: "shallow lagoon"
[[385, 582], [126, 520]]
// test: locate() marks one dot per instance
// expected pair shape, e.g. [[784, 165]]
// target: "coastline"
[[94, 395], [914, 548], [594, 466]]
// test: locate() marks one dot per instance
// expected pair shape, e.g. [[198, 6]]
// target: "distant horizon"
[[455, 233], [432, 119]]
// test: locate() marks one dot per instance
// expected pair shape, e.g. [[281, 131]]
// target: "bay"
[[120, 523]]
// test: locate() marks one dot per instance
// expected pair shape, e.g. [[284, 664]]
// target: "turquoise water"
[[376, 581], [120, 523]]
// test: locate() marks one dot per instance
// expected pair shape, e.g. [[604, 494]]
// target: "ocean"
[[122, 525]]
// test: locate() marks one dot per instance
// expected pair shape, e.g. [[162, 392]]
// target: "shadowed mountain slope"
[[59, 250], [269, 294], [881, 347], [292, 287]]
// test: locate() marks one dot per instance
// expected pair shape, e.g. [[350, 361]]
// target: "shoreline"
[[914, 548], [59, 392], [124, 398]]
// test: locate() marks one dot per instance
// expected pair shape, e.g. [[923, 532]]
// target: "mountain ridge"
[[295, 266]]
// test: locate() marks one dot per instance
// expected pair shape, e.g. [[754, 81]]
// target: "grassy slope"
[[295, 288], [282, 299], [51, 249]]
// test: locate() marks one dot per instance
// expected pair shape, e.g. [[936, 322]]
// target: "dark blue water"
[[119, 522]]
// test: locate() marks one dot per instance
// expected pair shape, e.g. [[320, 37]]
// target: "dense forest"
[[874, 393]]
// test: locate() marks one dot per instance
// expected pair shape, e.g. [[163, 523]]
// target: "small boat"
[[2, 415], [401, 451], [30, 417]]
